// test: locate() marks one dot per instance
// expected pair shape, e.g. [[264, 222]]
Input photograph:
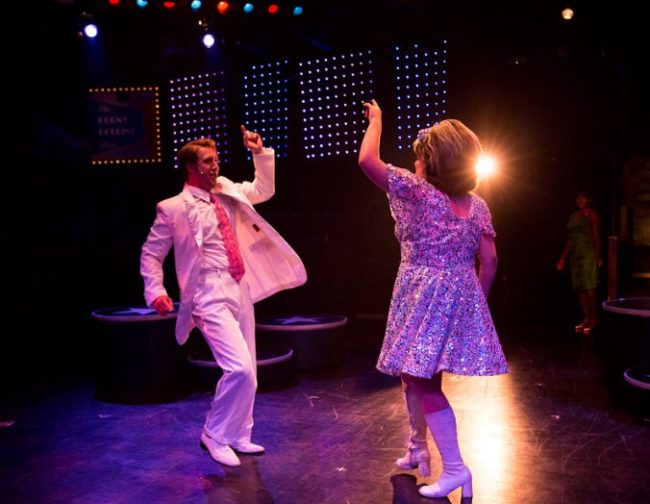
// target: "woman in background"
[[582, 247]]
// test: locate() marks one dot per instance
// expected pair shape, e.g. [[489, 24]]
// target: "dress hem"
[[459, 373]]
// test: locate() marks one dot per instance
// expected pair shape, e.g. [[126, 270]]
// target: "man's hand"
[[163, 305], [252, 140]]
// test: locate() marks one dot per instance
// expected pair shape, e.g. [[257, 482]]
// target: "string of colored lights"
[[221, 6]]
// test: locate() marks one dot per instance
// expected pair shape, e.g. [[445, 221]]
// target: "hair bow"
[[423, 133]]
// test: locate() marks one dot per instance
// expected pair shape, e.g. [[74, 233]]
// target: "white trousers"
[[223, 312]]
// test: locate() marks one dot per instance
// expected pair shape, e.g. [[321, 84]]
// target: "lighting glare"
[[485, 166], [142, 3], [485, 436], [195, 5], [91, 30], [297, 10], [567, 14], [208, 40], [222, 7], [248, 7]]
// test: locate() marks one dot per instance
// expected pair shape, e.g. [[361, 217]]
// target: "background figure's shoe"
[[581, 326], [219, 452], [247, 447], [589, 327], [416, 457]]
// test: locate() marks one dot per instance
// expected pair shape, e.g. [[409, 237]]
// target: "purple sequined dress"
[[438, 318]]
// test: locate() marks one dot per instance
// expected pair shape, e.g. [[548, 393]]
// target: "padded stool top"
[[639, 377], [300, 322], [639, 306], [132, 314]]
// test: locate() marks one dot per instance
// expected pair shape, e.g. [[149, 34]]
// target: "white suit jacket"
[[271, 264]]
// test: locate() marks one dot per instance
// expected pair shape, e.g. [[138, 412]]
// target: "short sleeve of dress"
[[404, 185], [408, 193], [405, 192], [484, 218]]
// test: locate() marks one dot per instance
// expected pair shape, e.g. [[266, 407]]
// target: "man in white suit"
[[212, 299]]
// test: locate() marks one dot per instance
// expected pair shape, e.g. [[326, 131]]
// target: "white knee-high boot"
[[417, 454], [454, 471]]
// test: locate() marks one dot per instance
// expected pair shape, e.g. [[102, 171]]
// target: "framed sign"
[[125, 125]]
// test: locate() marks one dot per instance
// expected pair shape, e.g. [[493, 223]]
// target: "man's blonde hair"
[[189, 153]]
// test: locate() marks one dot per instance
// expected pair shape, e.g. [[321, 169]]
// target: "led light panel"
[[420, 88], [266, 104], [332, 90], [198, 110]]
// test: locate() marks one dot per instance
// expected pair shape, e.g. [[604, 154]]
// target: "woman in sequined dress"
[[438, 319], [582, 248]]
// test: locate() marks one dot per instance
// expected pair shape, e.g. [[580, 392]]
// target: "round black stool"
[[638, 377], [273, 363], [628, 350], [317, 341], [138, 358], [631, 325]]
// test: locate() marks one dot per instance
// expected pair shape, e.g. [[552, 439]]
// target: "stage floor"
[[551, 431]]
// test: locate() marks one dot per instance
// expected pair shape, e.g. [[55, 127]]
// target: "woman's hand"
[[369, 160], [372, 110], [252, 140]]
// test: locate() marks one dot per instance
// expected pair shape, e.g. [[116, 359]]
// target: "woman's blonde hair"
[[449, 151]]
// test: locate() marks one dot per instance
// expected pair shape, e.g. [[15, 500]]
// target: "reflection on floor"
[[553, 430]]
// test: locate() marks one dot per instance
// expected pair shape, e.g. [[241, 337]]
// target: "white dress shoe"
[[247, 447], [219, 452]]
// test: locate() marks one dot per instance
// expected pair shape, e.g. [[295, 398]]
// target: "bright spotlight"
[[273, 9], [248, 7], [297, 10], [222, 7], [195, 5], [142, 3], [567, 14], [208, 40], [90, 30], [486, 166]]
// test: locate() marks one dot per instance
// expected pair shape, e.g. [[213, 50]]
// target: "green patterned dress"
[[582, 255]]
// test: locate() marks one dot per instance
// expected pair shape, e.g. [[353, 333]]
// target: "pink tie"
[[235, 261]]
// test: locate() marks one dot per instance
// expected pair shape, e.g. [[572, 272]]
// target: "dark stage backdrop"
[[563, 108]]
